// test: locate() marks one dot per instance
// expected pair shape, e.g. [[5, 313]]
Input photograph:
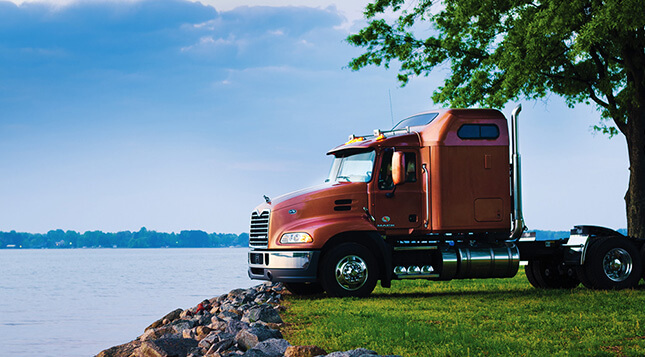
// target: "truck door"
[[397, 207]]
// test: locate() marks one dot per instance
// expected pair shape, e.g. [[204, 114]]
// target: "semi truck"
[[437, 197]]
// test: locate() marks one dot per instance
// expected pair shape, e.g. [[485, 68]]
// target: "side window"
[[385, 172], [410, 167], [478, 131]]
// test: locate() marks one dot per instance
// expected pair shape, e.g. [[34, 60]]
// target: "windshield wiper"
[[344, 177]]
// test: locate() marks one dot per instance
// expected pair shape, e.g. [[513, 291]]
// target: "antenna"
[[391, 112]]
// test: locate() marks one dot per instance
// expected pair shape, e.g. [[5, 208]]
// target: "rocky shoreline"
[[244, 322]]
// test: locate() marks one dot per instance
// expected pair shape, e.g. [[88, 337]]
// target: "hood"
[[325, 192]]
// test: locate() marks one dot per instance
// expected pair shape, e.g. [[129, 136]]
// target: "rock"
[[186, 313], [244, 322], [276, 287], [353, 353], [264, 313], [180, 326], [189, 334], [234, 326], [248, 338], [201, 320], [304, 351], [260, 299], [229, 315], [236, 294], [273, 347], [214, 338], [218, 324], [166, 347], [171, 316], [221, 346], [124, 350], [202, 331], [255, 353], [156, 333]]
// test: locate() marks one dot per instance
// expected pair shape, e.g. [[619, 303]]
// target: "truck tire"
[[349, 269], [304, 289], [612, 263], [531, 277], [547, 274]]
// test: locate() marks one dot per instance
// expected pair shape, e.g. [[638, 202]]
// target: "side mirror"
[[398, 168]]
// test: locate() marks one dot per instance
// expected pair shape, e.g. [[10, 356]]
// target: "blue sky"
[[178, 115]]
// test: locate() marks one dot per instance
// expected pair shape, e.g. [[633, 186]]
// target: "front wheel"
[[612, 263], [349, 269]]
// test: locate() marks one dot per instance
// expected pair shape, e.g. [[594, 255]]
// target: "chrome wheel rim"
[[617, 264], [351, 272]]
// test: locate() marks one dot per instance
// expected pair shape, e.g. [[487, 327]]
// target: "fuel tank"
[[479, 262]]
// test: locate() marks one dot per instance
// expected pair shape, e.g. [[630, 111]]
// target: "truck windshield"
[[355, 167]]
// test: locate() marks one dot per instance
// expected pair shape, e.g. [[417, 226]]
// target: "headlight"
[[299, 237]]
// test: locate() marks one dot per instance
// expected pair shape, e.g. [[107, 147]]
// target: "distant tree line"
[[141, 239]]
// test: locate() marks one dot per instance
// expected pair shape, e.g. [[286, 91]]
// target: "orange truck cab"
[[434, 198]]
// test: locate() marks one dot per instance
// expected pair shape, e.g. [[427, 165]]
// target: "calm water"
[[78, 302]]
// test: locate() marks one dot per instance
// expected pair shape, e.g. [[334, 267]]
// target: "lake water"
[[78, 302]]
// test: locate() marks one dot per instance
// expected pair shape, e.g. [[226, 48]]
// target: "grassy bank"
[[474, 317]]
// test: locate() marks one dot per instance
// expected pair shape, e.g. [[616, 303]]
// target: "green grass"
[[473, 317]]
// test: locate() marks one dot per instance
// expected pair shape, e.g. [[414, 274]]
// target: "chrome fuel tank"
[[479, 262]]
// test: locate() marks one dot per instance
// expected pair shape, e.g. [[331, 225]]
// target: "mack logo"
[[292, 211], [385, 219]]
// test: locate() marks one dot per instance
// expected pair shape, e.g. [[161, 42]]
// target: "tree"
[[587, 51]]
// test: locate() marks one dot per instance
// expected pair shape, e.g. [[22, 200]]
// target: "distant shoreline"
[[59, 239], [105, 248]]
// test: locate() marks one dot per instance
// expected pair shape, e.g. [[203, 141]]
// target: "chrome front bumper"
[[287, 266]]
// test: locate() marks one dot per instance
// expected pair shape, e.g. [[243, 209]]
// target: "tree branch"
[[602, 67]]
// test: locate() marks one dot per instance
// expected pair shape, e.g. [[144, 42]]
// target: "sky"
[[176, 115]]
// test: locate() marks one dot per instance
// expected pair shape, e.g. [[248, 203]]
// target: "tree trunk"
[[635, 196]]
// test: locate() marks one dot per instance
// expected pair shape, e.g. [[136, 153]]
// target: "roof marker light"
[[379, 135], [354, 139]]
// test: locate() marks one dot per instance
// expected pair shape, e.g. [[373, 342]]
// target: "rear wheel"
[[531, 277], [349, 269], [548, 274], [612, 263], [304, 289]]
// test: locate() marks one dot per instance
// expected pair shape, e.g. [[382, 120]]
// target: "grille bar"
[[259, 234]]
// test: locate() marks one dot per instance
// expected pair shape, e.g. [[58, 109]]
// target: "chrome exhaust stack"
[[516, 183]]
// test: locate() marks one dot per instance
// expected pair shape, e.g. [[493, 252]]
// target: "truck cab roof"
[[435, 128]]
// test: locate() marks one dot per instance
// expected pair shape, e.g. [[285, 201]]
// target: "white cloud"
[[208, 42]]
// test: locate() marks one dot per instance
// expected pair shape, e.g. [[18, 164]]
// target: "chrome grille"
[[259, 236]]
